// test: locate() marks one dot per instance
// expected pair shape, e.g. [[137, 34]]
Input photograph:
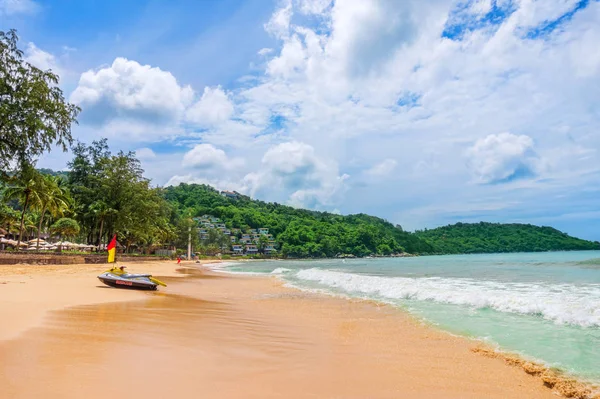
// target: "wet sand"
[[219, 336]]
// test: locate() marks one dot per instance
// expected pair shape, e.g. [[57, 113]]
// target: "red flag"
[[112, 249]]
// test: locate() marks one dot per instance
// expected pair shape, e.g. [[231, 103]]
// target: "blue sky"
[[424, 113]]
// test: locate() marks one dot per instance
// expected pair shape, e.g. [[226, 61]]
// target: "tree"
[[53, 198], [262, 243], [101, 211], [27, 187], [34, 114], [8, 217], [65, 227]]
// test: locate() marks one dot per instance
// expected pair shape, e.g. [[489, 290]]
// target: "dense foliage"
[[299, 232], [495, 237], [112, 196], [34, 114]]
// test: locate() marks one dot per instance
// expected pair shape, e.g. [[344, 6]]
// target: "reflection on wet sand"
[[227, 337]]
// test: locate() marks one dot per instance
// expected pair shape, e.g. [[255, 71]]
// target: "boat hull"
[[132, 284]]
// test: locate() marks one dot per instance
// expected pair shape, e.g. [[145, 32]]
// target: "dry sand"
[[211, 335]]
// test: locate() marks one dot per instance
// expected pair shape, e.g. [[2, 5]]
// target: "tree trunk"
[[22, 220], [40, 227], [100, 234]]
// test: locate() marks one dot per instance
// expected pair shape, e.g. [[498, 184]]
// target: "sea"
[[541, 306]]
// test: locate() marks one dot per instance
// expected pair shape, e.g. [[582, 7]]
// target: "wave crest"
[[560, 303]]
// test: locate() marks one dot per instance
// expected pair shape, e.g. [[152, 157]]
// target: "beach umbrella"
[[34, 241]]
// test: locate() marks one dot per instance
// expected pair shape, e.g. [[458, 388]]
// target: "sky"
[[424, 113]]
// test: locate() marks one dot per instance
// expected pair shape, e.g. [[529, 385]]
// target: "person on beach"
[[178, 260]]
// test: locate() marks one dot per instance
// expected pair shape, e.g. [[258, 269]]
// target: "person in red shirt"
[[178, 260]]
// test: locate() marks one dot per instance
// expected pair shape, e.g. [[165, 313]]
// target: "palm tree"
[[27, 187], [29, 223], [53, 199], [65, 227]]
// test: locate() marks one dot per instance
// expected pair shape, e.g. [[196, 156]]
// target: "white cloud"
[[219, 184], [502, 157], [11, 7], [295, 168], [213, 108], [265, 51], [290, 61], [292, 171], [205, 156], [313, 6], [145, 154], [41, 59], [127, 90], [382, 169], [279, 24]]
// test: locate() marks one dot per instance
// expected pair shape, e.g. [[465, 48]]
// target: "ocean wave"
[[560, 303], [281, 270]]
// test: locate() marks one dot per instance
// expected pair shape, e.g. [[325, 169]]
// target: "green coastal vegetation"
[[299, 232], [102, 194], [466, 238]]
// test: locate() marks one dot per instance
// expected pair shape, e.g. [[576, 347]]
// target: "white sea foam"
[[560, 303], [281, 270]]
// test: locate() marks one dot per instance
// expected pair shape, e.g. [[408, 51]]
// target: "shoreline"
[[342, 340], [558, 380]]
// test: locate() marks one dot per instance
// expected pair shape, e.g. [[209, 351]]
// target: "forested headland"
[[465, 238]]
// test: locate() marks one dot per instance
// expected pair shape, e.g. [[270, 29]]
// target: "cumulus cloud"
[[41, 59], [11, 7], [382, 169], [313, 6], [292, 171], [279, 24], [213, 108], [502, 157], [204, 156], [295, 167], [131, 91], [145, 154], [219, 184]]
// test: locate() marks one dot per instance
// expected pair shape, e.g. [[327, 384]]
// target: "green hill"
[[495, 237], [298, 232]]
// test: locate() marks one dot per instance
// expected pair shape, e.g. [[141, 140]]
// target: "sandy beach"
[[212, 335]]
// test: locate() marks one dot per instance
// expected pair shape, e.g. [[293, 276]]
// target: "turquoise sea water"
[[544, 306]]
